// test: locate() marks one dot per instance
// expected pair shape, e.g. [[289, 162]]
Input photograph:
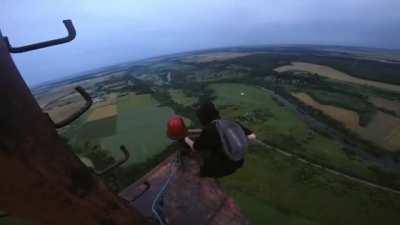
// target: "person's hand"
[[189, 142], [252, 136]]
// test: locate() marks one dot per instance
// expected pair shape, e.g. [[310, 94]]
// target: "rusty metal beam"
[[42, 180]]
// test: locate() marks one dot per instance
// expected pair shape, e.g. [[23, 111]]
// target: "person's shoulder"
[[246, 130], [239, 123], [211, 126]]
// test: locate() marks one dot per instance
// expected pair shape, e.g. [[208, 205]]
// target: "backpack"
[[234, 140]]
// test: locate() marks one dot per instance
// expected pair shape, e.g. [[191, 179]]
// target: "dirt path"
[[332, 171]]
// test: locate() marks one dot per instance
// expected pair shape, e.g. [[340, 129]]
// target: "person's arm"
[[207, 138], [189, 142]]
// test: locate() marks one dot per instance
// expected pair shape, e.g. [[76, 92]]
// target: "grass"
[[378, 130], [98, 128], [361, 105], [279, 122], [355, 103], [140, 127], [262, 212], [348, 118], [103, 112], [274, 189], [180, 98], [282, 128], [134, 101]]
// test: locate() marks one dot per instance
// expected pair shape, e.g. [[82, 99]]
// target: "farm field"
[[58, 113], [279, 127], [109, 99], [66, 89], [383, 55], [351, 101], [386, 104], [334, 74], [272, 189], [180, 98], [92, 131], [209, 57], [102, 112], [264, 91], [349, 118], [141, 127], [55, 93], [135, 121], [382, 130]]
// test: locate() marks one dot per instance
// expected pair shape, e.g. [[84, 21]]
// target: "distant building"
[[98, 99], [169, 77]]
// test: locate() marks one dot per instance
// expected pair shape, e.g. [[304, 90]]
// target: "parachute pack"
[[234, 140]]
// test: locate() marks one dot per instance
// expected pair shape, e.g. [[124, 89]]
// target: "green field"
[[98, 129], [139, 125], [270, 188], [180, 98], [351, 101], [282, 128], [285, 190], [274, 189], [355, 103]]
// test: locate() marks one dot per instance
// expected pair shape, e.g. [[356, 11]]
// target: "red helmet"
[[176, 128]]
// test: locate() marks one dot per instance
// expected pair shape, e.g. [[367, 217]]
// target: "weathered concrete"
[[189, 199]]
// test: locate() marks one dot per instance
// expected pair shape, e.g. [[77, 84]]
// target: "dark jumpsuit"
[[215, 162]]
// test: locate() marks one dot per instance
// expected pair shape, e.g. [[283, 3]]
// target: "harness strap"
[[160, 217]]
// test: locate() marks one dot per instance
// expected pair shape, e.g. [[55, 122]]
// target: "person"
[[215, 162]]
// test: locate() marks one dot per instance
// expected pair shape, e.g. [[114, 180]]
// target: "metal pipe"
[[118, 163], [71, 36], [78, 113]]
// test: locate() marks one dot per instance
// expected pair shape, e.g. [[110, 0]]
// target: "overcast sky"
[[113, 31]]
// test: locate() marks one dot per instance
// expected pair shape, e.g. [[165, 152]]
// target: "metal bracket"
[[71, 36], [146, 186], [118, 163], [77, 114]]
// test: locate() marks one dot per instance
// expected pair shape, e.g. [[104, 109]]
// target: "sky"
[[114, 31]]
